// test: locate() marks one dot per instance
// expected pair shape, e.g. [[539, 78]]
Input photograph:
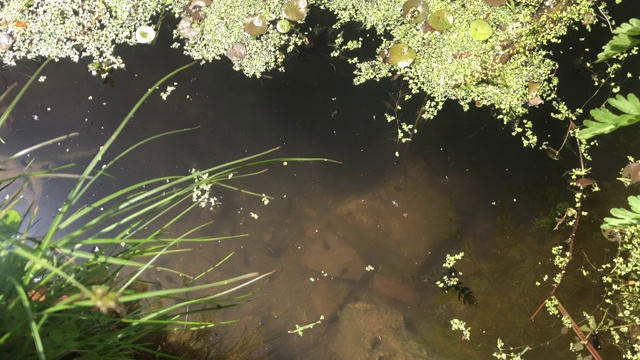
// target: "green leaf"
[[634, 203], [623, 41], [624, 217], [604, 121], [578, 346], [585, 328], [10, 224]]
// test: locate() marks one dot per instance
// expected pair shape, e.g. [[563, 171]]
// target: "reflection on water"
[[345, 243]]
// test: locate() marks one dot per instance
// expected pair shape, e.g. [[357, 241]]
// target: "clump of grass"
[[60, 300]]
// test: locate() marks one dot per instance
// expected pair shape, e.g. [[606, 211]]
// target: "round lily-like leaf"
[[533, 87], [401, 55], [145, 34], [255, 25], [415, 11], [283, 26], [237, 52], [480, 30], [441, 20], [295, 10], [6, 41]]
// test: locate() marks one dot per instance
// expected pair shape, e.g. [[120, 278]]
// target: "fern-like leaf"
[[624, 217], [605, 121], [623, 41], [634, 203]]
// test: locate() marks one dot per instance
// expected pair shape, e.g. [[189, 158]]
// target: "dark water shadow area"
[[344, 242]]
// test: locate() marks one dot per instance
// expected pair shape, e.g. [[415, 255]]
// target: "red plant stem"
[[572, 239], [579, 332]]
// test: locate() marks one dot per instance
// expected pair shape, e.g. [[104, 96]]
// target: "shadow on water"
[[472, 188]]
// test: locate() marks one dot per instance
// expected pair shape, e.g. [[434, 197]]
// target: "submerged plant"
[[449, 280]]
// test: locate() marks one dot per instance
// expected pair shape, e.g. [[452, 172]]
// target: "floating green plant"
[[283, 26], [295, 10], [480, 30], [415, 11], [255, 25], [145, 34], [441, 20], [401, 55], [237, 52]]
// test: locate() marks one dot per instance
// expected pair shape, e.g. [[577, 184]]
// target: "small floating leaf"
[[480, 30], [295, 10], [237, 52], [283, 26], [584, 182], [441, 20], [533, 87], [612, 235], [6, 41], [401, 55], [553, 153], [255, 25], [415, 11], [145, 34], [631, 173]]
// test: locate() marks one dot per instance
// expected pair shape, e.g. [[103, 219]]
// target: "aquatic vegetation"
[[401, 55], [441, 20], [617, 276], [550, 220], [77, 290], [478, 52], [630, 174], [283, 26], [256, 25], [415, 11], [457, 324], [145, 34], [604, 121], [237, 52], [449, 280], [486, 54], [295, 10], [625, 39], [480, 30]]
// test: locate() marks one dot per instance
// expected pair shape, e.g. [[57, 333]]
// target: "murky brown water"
[[344, 242]]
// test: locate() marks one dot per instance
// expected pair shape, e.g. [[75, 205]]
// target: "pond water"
[[347, 242]]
